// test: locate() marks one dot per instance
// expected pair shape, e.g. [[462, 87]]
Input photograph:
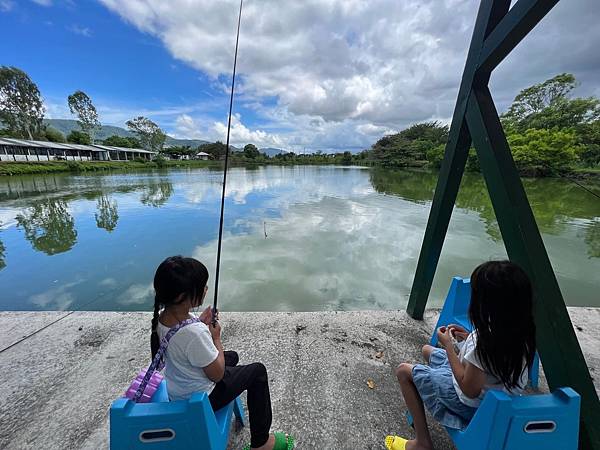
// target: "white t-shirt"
[[467, 352], [189, 350]]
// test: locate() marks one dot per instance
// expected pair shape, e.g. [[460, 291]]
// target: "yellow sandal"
[[395, 443]]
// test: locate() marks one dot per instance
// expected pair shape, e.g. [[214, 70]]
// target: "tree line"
[[546, 127]]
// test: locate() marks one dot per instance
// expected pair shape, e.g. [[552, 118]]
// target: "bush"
[[74, 166], [160, 161], [540, 150]]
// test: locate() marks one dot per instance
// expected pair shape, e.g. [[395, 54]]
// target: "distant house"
[[202, 155], [26, 150]]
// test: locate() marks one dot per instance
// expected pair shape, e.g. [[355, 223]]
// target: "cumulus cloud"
[[358, 64], [240, 134]]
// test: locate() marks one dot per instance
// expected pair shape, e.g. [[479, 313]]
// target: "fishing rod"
[[237, 40]]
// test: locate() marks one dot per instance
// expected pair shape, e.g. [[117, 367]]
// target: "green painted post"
[[455, 158], [561, 355]]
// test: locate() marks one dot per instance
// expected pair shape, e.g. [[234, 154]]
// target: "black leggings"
[[252, 378]]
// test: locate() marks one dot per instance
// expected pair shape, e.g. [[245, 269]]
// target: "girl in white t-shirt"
[[195, 360], [495, 355]]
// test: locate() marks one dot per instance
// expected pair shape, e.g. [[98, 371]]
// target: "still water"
[[296, 238]]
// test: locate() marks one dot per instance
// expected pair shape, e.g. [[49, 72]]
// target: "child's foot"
[[414, 445], [276, 441], [268, 445]]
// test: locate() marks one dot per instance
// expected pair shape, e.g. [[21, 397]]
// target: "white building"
[[202, 155], [25, 150]]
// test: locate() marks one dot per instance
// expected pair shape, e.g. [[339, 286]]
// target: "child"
[[496, 355], [195, 360]]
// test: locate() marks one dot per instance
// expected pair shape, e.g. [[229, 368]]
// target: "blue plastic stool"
[[161, 424], [456, 309], [534, 422]]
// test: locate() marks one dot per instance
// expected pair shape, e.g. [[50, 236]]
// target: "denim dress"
[[436, 388]]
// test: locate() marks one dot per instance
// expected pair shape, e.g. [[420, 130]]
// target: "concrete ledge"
[[58, 384]]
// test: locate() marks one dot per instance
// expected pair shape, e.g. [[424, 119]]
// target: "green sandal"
[[282, 442]]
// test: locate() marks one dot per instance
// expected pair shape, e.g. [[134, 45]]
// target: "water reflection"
[[108, 214], [2, 256], [592, 239], [49, 226], [157, 194], [555, 203], [334, 241]]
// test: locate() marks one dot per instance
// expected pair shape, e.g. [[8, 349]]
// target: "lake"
[[300, 238]]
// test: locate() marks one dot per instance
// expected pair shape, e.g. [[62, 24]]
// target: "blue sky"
[[314, 75]]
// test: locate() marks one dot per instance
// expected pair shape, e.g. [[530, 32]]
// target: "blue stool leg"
[[238, 410], [534, 373]]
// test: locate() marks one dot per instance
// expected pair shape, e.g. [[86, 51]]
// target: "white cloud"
[[240, 134], [186, 127], [82, 31], [43, 2], [6, 5], [356, 64]]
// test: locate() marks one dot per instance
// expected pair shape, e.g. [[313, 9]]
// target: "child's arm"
[[215, 370], [470, 378]]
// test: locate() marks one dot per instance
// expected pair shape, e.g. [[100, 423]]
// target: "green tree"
[[53, 135], [410, 146], [216, 150], [541, 150], [49, 226], [179, 151], [120, 141], [21, 107], [588, 136], [251, 151], [81, 105], [78, 137], [347, 158], [547, 105], [150, 135]]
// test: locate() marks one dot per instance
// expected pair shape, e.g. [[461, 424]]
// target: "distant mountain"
[[65, 126], [270, 151]]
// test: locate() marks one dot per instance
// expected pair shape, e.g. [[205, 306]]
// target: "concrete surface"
[[58, 384]]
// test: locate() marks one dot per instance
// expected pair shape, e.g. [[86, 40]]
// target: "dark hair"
[[176, 279], [501, 311]]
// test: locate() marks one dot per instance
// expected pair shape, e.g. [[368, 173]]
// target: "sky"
[[328, 75]]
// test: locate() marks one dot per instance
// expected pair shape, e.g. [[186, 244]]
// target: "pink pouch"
[[149, 390]]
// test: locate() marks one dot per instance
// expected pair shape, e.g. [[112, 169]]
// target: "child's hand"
[[459, 333], [444, 337], [206, 316], [215, 330]]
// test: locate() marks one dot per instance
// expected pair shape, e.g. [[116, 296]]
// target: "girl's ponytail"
[[154, 341]]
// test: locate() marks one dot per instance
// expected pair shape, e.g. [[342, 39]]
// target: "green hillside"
[[65, 126]]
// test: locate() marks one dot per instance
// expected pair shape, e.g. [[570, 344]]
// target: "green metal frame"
[[498, 30]]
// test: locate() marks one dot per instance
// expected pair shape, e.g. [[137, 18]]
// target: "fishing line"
[[64, 316], [572, 180], [237, 40]]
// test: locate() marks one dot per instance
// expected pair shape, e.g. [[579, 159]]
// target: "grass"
[[8, 168]]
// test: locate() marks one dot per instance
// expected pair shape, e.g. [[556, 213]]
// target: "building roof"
[[202, 154], [67, 146]]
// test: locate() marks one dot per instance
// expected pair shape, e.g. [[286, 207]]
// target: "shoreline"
[[11, 168], [59, 383]]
